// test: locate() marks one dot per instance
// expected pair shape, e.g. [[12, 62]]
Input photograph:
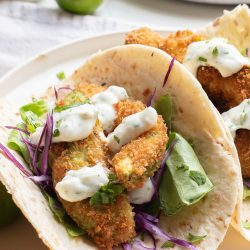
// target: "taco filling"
[[222, 66], [108, 165]]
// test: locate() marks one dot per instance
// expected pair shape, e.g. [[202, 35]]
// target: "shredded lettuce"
[[164, 107], [71, 100], [60, 214], [31, 112], [183, 172], [15, 142]]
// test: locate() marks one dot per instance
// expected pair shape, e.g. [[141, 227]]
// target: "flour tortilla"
[[235, 27], [139, 69]]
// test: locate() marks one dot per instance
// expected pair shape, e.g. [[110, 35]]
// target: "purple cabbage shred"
[[168, 71], [151, 98]]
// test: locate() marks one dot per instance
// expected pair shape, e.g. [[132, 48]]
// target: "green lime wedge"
[[79, 6], [8, 210]]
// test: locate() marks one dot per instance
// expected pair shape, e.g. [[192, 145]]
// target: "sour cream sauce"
[[142, 195], [81, 184], [72, 124], [131, 127], [216, 53], [104, 102], [238, 117]]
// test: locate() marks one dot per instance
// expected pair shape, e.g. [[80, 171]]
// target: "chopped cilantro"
[[61, 76], [195, 239], [198, 177], [56, 132], [246, 225], [106, 194], [215, 51], [243, 117], [117, 139], [167, 244], [202, 59], [182, 167]]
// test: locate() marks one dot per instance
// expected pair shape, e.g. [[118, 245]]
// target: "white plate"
[[33, 77], [220, 2]]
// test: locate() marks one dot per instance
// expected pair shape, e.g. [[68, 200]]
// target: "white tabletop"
[[157, 13]]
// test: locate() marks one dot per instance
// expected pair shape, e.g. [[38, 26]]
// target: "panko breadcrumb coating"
[[140, 158], [226, 93], [90, 89], [107, 225], [175, 44], [143, 36]]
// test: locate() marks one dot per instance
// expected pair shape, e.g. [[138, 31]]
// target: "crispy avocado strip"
[[108, 225], [139, 159]]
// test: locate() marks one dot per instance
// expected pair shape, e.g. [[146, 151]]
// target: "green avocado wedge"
[[184, 181], [8, 210]]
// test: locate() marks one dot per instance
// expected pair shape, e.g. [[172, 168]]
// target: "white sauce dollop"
[[238, 117], [104, 102], [131, 127], [142, 195], [81, 184], [73, 124], [216, 53]]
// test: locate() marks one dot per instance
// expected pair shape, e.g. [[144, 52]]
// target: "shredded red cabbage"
[[19, 129], [56, 93], [47, 144], [14, 160], [157, 178], [145, 225], [246, 182], [126, 246], [139, 246], [168, 72], [151, 98], [39, 174]]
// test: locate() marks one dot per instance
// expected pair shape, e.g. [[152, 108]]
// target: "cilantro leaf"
[[215, 51], [61, 76], [167, 244], [198, 177], [202, 59], [195, 239], [106, 194], [246, 225], [117, 139]]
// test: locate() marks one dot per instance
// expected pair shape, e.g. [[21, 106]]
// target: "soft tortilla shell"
[[139, 69]]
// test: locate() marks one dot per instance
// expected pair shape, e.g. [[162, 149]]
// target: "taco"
[[128, 152], [218, 56]]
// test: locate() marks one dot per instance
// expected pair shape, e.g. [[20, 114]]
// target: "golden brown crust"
[[225, 92], [143, 36], [108, 225], [242, 142], [176, 44], [139, 159], [90, 89]]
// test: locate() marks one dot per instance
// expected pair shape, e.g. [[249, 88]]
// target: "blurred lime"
[[79, 6], [8, 210]]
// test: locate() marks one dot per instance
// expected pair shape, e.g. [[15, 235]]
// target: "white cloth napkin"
[[26, 29]]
